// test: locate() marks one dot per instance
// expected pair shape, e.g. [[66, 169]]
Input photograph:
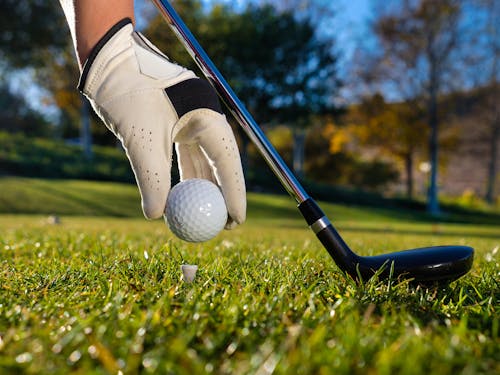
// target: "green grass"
[[68, 197], [45, 157], [99, 295]]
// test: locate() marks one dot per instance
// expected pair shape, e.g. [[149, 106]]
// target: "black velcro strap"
[[193, 94]]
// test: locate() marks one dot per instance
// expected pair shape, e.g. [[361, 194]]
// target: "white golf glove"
[[149, 103]]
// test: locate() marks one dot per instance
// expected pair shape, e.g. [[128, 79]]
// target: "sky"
[[352, 17], [349, 23], [348, 26]]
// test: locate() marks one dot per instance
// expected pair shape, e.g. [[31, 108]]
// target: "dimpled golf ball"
[[196, 210]]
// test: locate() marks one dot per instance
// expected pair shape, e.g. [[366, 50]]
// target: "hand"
[[149, 103]]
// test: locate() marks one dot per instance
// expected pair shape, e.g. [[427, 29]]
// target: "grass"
[[68, 197], [99, 295]]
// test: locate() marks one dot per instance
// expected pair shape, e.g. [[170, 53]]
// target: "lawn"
[[104, 294]]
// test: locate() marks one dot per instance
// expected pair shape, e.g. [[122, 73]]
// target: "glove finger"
[[220, 147], [150, 159], [146, 138], [193, 163]]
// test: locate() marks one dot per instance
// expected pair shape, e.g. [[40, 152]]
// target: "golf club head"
[[436, 264]]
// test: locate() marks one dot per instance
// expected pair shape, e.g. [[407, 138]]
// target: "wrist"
[[92, 53], [91, 26]]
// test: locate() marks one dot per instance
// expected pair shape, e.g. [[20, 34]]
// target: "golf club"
[[436, 264]]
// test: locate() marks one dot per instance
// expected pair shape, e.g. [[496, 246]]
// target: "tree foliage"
[[16, 116], [490, 111], [274, 61], [331, 160], [420, 56], [395, 129], [30, 31]]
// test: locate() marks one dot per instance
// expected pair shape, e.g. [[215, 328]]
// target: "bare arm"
[[89, 20]]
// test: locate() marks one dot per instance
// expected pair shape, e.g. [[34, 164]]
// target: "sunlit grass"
[[101, 295]]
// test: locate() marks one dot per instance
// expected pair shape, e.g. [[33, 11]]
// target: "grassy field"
[[103, 294]]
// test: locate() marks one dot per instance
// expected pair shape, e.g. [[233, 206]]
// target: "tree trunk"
[[299, 140], [492, 167], [432, 195], [409, 175], [85, 134]]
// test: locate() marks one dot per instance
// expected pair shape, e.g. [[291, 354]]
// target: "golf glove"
[[150, 103]]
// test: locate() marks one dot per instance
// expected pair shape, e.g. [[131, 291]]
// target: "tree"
[[77, 121], [396, 129], [337, 160], [492, 65], [494, 137], [17, 117], [274, 61], [420, 43], [474, 112], [30, 31], [34, 36]]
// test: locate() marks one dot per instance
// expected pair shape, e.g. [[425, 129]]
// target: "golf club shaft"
[[238, 110], [425, 264]]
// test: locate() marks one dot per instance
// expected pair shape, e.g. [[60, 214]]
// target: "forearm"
[[89, 20]]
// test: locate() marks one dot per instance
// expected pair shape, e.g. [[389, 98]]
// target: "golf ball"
[[196, 210]]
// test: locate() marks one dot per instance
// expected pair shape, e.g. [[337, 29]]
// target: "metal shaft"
[[238, 110]]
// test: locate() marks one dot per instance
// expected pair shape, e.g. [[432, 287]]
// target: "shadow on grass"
[[399, 231], [431, 232], [90, 203]]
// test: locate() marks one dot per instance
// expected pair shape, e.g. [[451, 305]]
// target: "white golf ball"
[[196, 210]]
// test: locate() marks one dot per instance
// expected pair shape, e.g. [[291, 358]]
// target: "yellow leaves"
[[339, 140], [392, 128], [340, 137], [67, 98], [281, 137]]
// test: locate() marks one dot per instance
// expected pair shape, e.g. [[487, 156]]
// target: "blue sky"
[[349, 22], [348, 25], [352, 17]]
